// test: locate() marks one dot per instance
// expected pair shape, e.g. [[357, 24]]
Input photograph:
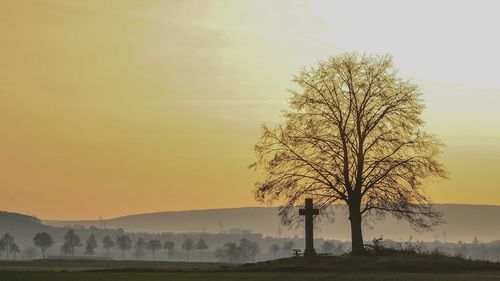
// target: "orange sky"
[[120, 107]]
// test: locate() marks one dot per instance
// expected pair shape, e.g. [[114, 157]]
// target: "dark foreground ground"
[[325, 268], [243, 276]]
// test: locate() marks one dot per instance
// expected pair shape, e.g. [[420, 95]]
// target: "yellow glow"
[[134, 106]]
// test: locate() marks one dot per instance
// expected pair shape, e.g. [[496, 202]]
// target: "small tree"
[[288, 246], [188, 246], [274, 249], [327, 247], [169, 246], [253, 251], [230, 252], [71, 241], [140, 248], [249, 250], [90, 245], [154, 245], [124, 243], [65, 249], [201, 245], [2, 247], [8, 241], [107, 243], [30, 253], [43, 240], [14, 249]]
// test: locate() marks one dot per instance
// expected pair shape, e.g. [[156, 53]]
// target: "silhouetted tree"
[[201, 245], [288, 246], [253, 251], [169, 246], [30, 253], [188, 246], [230, 252], [7, 242], [154, 245], [107, 243], [44, 241], [14, 249], [140, 247], [124, 243], [90, 245], [327, 247], [340, 249], [2, 247], [71, 241], [65, 249], [249, 249], [354, 134], [244, 251], [274, 249]]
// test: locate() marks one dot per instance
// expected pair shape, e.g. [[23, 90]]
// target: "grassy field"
[[241, 276], [328, 268], [93, 265]]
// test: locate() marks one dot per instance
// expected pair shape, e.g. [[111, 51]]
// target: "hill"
[[463, 222], [23, 227]]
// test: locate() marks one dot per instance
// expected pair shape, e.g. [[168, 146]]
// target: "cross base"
[[310, 253]]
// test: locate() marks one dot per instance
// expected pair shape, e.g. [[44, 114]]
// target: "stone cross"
[[309, 212]]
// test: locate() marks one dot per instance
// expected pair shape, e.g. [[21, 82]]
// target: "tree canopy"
[[354, 135]]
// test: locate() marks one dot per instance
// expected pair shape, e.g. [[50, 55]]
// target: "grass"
[[340, 268], [242, 276], [393, 263], [86, 265]]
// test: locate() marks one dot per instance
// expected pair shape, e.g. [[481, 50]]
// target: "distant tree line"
[[124, 243], [168, 246]]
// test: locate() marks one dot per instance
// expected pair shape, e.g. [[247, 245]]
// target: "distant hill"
[[10, 222], [22, 227], [463, 222]]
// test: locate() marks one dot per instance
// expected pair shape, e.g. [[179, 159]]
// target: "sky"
[[118, 107]]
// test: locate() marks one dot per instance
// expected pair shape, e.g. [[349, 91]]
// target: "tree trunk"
[[356, 232], [43, 252]]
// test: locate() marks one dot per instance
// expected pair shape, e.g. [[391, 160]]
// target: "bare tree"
[[107, 243], [3, 247], [14, 249], [169, 246], [201, 245], [90, 245], [140, 247], [188, 245], [154, 245], [353, 135], [124, 243], [71, 241], [327, 247], [274, 249], [287, 247], [6, 243]]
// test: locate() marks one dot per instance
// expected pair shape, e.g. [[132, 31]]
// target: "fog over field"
[[463, 222], [469, 231]]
